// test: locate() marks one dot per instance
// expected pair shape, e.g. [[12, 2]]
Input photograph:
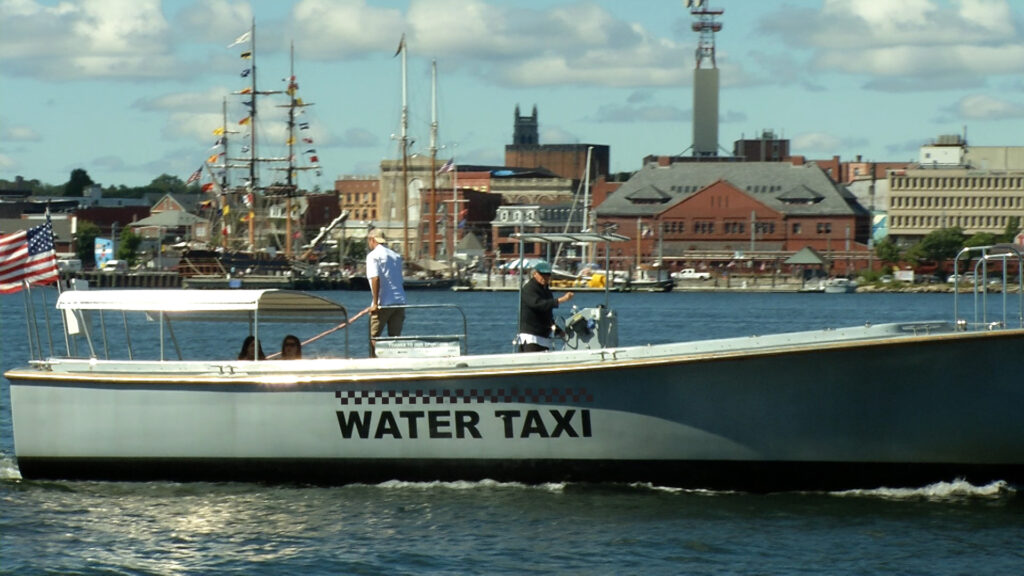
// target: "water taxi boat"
[[902, 404]]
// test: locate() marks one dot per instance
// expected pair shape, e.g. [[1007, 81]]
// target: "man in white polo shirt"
[[384, 271]]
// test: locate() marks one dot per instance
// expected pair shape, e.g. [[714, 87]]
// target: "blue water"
[[490, 528]]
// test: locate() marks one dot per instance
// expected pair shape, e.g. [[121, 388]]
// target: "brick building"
[[717, 212]]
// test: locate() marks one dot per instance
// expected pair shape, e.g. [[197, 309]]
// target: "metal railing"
[[982, 256]]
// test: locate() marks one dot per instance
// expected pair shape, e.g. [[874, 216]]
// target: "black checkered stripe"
[[490, 396]]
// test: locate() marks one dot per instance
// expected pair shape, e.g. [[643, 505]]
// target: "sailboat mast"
[[586, 206], [405, 158], [290, 180], [253, 170], [222, 195], [432, 212]]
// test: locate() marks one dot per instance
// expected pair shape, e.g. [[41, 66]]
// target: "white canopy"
[[268, 304]]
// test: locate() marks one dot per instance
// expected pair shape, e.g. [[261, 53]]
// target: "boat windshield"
[[140, 324]]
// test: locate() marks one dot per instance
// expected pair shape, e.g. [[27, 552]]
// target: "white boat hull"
[[866, 406]]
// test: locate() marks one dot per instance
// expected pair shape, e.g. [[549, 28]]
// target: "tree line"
[[79, 180], [942, 245]]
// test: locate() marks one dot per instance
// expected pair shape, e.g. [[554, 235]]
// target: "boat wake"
[[469, 485], [941, 491], [8, 468]]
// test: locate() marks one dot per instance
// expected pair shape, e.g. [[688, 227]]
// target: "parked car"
[[691, 274], [115, 266], [69, 265]]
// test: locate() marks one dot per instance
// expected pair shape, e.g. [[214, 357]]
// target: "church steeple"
[[526, 129]]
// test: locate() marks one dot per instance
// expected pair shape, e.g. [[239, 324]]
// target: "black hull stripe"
[[746, 476]]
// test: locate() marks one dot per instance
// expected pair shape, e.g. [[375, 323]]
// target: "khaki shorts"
[[393, 318]]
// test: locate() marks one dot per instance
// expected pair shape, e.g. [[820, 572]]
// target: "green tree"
[[128, 246], [1011, 231], [982, 239], [938, 246], [888, 251], [167, 184], [78, 182], [85, 243]]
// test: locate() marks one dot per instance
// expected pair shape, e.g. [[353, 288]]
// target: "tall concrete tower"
[[705, 79]]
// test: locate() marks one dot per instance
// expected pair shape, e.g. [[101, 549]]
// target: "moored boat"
[[861, 406], [840, 286]]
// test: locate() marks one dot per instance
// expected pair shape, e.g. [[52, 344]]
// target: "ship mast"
[[222, 195], [405, 156], [253, 170], [290, 179], [291, 186], [432, 210]]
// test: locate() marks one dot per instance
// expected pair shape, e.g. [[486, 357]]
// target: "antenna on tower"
[[705, 78], [706, 25]]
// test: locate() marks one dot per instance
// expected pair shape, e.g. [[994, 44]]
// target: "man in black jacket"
[[536, 316]]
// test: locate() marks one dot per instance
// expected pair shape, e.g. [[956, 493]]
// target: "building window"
[[797, 228]]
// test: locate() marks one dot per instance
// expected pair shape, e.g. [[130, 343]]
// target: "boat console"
[[591, 329]]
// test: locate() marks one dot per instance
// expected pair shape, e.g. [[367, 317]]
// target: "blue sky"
[[130, 89]]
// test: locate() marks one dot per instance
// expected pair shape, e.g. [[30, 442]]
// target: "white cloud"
[[215, 21], [8, 164], [345, 28], [568, 44], [649, 113], [554, 134], [85, 39], [357, 138], [815, 143], [211, 99], [982, 107], [19, 134], [920, 38]]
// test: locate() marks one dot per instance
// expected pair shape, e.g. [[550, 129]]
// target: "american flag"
[[27, 257], [448, 166]]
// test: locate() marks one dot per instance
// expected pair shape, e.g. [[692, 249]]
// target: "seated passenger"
[[291, 348], [249, 347]]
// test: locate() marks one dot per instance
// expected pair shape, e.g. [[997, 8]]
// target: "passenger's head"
[[375, 236], [291, 348], [250, 348]]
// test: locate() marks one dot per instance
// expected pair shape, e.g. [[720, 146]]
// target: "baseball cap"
[[542, 267]]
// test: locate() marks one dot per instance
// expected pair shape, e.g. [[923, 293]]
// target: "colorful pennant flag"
[[218, 131], [246, 55]]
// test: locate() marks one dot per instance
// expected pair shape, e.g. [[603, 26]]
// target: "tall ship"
[[254, 173]]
